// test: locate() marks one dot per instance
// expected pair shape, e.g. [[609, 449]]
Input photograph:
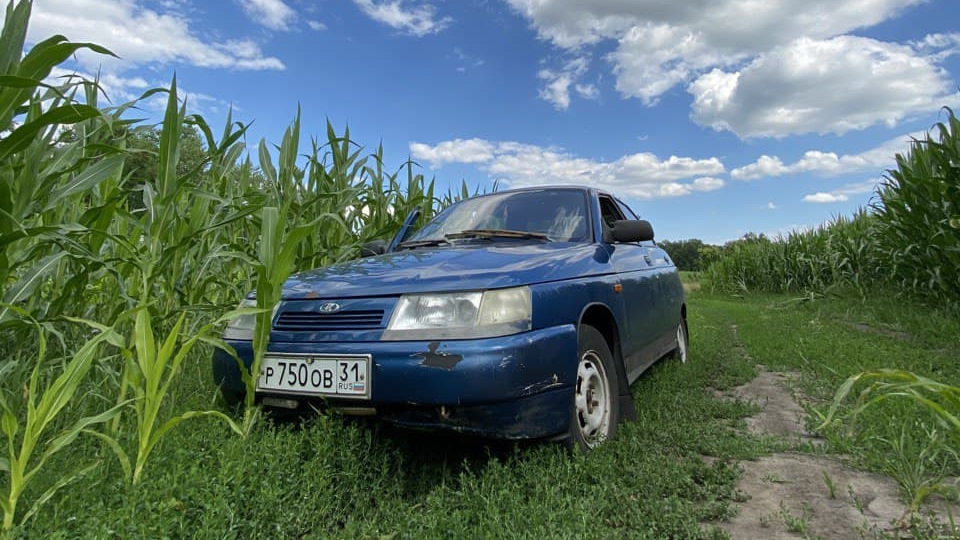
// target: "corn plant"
[[940, 399], [44, 166], [841, 252], [919, 210], [26, 428], [157, 365], [157, 257], [277, 257]]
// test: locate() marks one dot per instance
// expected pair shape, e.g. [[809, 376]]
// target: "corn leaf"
[[52, 490], [118, 451], [21, 137]]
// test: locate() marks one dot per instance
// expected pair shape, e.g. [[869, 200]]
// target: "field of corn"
[[112, 280], [124, 248], [908, 239]]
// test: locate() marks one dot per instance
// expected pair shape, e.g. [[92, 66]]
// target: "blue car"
[[519, 314]]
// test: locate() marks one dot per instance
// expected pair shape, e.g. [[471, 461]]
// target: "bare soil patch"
[[781, 415], [793, 495], [803, 496]]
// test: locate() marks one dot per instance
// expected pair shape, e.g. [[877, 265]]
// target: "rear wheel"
[[595, 411]]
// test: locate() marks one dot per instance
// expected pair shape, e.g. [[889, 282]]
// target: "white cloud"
[[723, 24], [418, 19], [828, 163], [771, 206], [118, 89], [843, 194], [465, 61], [558, 83], [316, 26], [822, 197], [140, 36], [666, 38], [707, 183], [273, 14], [642, 175], [939, 46], [837, 85], [789, 48], [646, 61], [455, 151], [587, 91]]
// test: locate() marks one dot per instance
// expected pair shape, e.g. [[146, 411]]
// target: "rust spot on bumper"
[[434, 357]]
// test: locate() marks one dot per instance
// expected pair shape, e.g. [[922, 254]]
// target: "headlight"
[[460, 315], [241, 328]]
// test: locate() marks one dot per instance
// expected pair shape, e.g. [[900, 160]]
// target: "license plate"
[[316, 375]]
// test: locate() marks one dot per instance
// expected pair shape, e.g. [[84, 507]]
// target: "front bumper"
[[517, 386]]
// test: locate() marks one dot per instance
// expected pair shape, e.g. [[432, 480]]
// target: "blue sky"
[[712, 118]]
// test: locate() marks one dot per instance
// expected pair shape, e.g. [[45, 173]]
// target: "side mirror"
[[629, 230], [373, 247]]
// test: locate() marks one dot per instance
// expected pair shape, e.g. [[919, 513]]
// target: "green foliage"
[[911, 459], [843, 251], [919, 213], [689, 255], [154, 232], [334, 477], [831, 343], [911, 238], [910, 241], [26, 425]]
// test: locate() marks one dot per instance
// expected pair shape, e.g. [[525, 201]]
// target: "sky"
[[710, 118]]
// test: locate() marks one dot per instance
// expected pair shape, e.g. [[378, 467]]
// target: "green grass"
[[338, 477], [828, 340], [85, 235], [330, 476]]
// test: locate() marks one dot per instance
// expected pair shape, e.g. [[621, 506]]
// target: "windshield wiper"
[[496, 233], [410, 244]]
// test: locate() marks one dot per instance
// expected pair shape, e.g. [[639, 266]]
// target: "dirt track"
[[794, 495]]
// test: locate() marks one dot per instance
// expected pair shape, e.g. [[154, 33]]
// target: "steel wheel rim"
[[682, 343], [592, 399]]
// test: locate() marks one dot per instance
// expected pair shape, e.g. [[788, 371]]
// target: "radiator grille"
[[312, 321]]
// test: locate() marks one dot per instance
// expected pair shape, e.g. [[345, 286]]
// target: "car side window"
[[609, 211], [626, 210]]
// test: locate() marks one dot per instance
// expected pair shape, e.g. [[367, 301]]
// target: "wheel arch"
[[600, 316]]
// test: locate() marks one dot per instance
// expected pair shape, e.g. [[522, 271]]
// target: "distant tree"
[[143, 147], [686, 254], [749, 238]]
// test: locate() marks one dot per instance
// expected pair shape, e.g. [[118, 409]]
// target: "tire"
[[682, 352], [594, 407]]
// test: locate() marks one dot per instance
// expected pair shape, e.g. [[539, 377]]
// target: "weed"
[[797, 524], [831, 486], [857, 503]]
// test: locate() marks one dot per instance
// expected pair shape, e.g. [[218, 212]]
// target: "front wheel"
[[683, 342], [595, 411]]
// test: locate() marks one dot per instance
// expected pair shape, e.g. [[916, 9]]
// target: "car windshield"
[[557, 214]]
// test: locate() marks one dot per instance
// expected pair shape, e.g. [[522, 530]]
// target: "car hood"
[[451, 268]]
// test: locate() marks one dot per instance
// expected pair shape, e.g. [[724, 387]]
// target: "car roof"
[[543, 188]]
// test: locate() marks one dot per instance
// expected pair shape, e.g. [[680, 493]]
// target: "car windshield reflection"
[[555, 215]]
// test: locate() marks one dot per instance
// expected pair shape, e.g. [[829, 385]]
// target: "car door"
[[633, 265], [667, 290]]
